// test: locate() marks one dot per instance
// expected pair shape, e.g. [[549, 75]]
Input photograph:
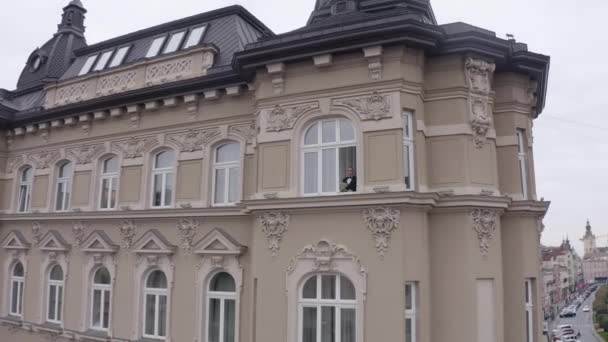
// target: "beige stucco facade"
[[466, 231]]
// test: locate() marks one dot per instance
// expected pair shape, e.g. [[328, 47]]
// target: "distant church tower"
[[589, 240]]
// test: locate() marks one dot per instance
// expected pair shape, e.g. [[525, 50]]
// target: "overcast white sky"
[[571, 156]]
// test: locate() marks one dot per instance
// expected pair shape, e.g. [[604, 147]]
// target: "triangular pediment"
[[53, 241], [15, 240], [153, 242], [99, 242], [218, 242]]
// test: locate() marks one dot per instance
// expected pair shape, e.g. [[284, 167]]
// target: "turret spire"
[[73, 18]]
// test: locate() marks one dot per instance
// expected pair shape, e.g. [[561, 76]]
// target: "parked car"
[[586, 308]]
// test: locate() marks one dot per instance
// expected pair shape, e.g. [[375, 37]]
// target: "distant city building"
[[595, 260]]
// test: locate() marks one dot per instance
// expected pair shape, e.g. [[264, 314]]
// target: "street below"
[[583, 322]]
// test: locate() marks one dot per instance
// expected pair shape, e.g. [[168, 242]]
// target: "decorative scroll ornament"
[[274, 225], [134, 147], [381, 222], [187, 231], [373, 107], [79, 230], [247, 132], [208, 58], [479, 75], [193, 140], [127, 232], [86, 154], [12, 163], [36, 233], [44, 159], [480, 120], [283, 118], [484, 224], [325, 254]]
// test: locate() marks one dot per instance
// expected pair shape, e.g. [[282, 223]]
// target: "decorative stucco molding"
[[36, 233], [187, 231], [116, 83], [381, 222], [128, 229], [281, 118], [79, 230], [480, 119], [246, 132], [44, 159], [71, 93], [13, 162], [479, 75], [168, 71], [193, 140], [540, 226], [484, 224], [374, 60], [274, 225], [86, 154], [324, 256], [134, 147], [370, 107]]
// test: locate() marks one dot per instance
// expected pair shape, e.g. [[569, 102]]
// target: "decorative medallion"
[[479, 75], [484, 224], [79, 230], [324, 254], [193, 140], [187, 231], [134, 147], [274, 225], [127, 231], [283, 118], [86, 154], [381, 222], [373, 107]]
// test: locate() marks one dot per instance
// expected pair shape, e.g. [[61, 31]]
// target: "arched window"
[[17, 284], [155, 305], [108, 183], [55, 295], [162, 179], [25, 189], [329, 156], [221, 309], [327, 309], [101, 299], [64, 186], [226, 174]]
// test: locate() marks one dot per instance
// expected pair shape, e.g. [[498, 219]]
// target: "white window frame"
[[106, 290], [408, 146], [529, 305], [109, 176], [88, 65], [222, 296], [165, 173], [58, 284], [157, 293], [27, 185], [226, 166], [188, 43], [412, 313], [157, 49], [318, 148], [66, 182], [522, 159], [20, 283]]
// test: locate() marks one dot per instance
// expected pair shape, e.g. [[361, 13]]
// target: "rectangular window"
[[486, 310], [154, 49], [408, 151], [194, 38], [411, 311], [522, 159], [529, 304], [119, 57], [87, 65], [174, 42], [103, 60]]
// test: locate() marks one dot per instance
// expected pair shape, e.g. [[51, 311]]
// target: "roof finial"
[[76, 3]]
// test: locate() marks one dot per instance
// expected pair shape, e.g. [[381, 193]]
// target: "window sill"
[[94, 335]]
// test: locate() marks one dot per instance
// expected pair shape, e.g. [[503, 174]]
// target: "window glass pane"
[[103, 60], [150, 310], [87, 65], [328, 286], [105, 192], [162, 315], [56, 273], [347, 290], [110, 165], [26, 176], [52, 302], [311, 171], [347, 132], [347, 325], [310, 288], [222, 282], [329, 170], [406, 126], [408, 330], [220, 185], [194, 37], [309, 325], [59, 302], [102, 276], [15, 297], [97, 308], [158, 190], [113, 192], [328, 129], [106, 309], [328, 324], [409, 297], [20, 305], [174, 42], [214, 320], [60, 195], [312, 135], [65, 170], [157, 280], [406, 168], [348, 167], [23, 198], [229, 317], [164, 159], [233, 185], [119, 56], [155, 47], [168, 189], [228, 152], [18, 270]]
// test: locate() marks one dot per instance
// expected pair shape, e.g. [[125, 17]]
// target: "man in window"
[[350, 181]]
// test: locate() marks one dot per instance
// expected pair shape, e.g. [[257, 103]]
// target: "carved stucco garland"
[[193, 140], [381, 222], [283, 118], [274, 226], [324, 254], [484, 224], [86, 154], [187, 231], [127, 232], [370, 107]]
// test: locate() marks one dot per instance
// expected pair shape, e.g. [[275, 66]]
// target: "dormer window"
[[154, 49], [119, 57], [36, 63], [103, 60], [87, 65], [174, 42], [194, 38]]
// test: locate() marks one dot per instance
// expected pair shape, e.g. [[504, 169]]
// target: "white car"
[[585, 308]]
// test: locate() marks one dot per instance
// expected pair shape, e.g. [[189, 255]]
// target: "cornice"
[[528, 208]]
